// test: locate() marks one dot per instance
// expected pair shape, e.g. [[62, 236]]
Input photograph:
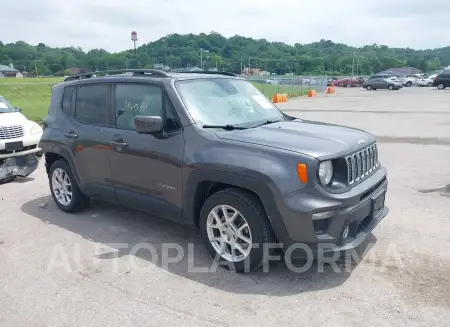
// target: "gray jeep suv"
[[210, 151]]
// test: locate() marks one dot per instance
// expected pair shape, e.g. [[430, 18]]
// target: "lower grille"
[[364, 224], [11, 132], [361, 164]]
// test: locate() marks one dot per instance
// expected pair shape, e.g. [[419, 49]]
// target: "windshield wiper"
[[227, 127], [267, 122]]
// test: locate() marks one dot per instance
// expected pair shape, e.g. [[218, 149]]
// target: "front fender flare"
[[262, 190]]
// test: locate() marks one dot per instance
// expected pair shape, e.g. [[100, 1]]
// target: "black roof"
[[151, 73]]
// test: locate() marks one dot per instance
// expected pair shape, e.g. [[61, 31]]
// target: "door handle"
[[71, 135], [118, 143]]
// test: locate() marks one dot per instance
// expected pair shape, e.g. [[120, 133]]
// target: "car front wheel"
[[235, 229], [391, 87], [441, 86], [369, 87], [64, 188]]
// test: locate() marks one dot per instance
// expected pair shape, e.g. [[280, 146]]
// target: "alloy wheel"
[[62, 186], [229, 233]]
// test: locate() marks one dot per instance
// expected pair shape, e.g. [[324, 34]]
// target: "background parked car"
[[426, 80], [442, 80], [381, 83], [349, 82], [390, 77], [409, 81]]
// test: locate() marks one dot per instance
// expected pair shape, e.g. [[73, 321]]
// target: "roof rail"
[[208, 72], [136, 72]]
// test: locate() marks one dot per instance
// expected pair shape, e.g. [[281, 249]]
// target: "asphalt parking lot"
[[61, 270]]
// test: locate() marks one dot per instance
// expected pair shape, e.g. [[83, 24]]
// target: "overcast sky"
[[108, 23]]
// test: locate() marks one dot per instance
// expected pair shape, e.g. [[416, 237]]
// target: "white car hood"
[[12, 118]]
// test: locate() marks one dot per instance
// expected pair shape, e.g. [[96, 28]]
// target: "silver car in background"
[[382, 84]]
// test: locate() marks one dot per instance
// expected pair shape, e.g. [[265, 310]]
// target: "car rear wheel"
[[441, 86], [391, 87], [408, 84], [430, 84], [235, 229], [369, 87], [64, 188]]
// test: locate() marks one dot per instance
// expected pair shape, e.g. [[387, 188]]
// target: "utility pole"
[[241, 65], [35, 68], [249, 58], [353, 63], [201, 57]]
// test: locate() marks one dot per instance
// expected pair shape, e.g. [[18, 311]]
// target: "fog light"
[[345, 232]]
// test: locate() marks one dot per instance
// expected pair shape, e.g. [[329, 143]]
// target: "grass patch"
[[269, 90], [31, 94]]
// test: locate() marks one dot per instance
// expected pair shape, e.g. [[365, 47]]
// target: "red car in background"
[[349, 82]]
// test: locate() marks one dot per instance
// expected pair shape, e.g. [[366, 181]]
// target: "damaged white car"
[[19, 139]]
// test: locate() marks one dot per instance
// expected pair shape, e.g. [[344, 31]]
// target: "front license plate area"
[[14, 146], [378, 204]]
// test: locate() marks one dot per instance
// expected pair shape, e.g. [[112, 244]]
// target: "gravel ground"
[[64, 270]]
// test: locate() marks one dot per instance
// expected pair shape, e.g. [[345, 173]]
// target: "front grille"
[[361, 164], [11, 132]]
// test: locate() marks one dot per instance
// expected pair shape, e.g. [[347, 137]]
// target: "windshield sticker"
[[3, 105], [262, 101]]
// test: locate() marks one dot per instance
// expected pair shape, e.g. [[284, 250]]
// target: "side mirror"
[[148, 124], [18, 109]]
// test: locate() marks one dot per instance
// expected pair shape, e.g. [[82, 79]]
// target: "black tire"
[[7, 179], [79, 200], [391, 87], [252, 210], [441, 86], [369, 87], [408, 84], [430, 84]]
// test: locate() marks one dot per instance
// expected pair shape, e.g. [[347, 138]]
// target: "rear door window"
[[93, 104]]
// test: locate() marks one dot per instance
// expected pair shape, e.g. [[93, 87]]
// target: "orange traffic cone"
[[276, 98], [285, 97]]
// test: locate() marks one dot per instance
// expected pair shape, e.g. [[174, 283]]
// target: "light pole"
[[134, 39], [201, 57]]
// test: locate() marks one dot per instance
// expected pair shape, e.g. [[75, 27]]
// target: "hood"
[[316, 139], [12, 118]]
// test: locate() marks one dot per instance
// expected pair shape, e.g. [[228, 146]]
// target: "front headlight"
[[325, 172], [36, 129]]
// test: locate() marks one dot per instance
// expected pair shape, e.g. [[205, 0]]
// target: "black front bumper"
[[361, 210]]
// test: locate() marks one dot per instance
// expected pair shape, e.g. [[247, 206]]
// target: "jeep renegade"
[[211, 151]]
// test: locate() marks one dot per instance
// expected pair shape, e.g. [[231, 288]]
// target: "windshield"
[[5, 106], [222, 101]]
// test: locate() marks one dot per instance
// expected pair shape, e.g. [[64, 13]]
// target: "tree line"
[[228, 54]]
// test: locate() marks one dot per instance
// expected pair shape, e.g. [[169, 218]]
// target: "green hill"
[[229, 54]]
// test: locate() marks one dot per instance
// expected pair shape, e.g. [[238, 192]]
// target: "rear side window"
[[93, 104], [67, 99]]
